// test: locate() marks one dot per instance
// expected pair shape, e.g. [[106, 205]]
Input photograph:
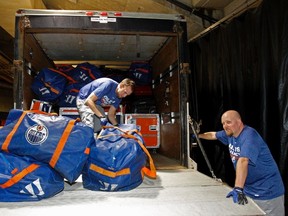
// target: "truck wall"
[[167, 97], [31, 59], [33, 54]]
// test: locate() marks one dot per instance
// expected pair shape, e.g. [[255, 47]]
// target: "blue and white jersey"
[[104, 89], [263, 180]]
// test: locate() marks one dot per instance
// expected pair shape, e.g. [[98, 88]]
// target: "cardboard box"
[[149, 126]]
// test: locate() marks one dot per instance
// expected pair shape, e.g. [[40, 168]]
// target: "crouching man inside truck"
[[98, 93], [257, 174]]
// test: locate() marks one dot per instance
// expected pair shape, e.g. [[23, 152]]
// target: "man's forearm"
[[241, 172], [93, 107], [208, 135], [112, 118]]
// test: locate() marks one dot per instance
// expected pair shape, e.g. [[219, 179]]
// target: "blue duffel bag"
[[119, 160], [85, 73], [24, 179], [69, 95], [141, 72], [49, 84], [62, 142]]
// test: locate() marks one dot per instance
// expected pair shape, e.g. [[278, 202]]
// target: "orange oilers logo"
[[36, 134]]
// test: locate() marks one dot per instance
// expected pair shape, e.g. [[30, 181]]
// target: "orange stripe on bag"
[[14, 171], [87, 151], [13, 131], [63, 74], [152, 171], [109, 173], [74, 90], [61, 143], [51, 88], [89, 72], [15, 179]]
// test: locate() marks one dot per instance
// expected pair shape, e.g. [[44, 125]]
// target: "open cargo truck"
[[47, 38]]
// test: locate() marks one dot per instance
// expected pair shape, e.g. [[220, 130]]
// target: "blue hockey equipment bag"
[[119, 160], [141, 72], [85, 73], [24, 179], [49, 84], [62, 142], [69, 95]]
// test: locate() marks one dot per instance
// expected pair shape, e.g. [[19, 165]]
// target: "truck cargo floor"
[[162, 162], [175, 192]]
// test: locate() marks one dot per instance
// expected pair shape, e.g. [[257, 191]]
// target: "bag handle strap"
[[89, 72], [12, 132], [62, 142], [148, 171], [70, 79], [16, 126], [123, 131], [16, 178], [55, 91], [74, 90], [40, 112]]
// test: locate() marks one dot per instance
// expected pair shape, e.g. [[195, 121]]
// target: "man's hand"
[[193, 136], [238, 196], [103, 120]]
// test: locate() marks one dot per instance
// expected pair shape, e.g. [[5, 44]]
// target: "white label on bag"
[[108, 187], [31, 191]]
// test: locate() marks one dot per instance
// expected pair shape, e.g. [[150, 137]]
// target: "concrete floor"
[[175, 192]]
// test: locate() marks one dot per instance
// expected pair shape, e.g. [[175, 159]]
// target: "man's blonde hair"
[[128, 82]]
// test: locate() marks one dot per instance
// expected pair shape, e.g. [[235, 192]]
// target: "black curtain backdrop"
[[243, 65]]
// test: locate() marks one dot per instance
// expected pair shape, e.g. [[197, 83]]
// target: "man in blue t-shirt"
[[98, 93], [257, 174]]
